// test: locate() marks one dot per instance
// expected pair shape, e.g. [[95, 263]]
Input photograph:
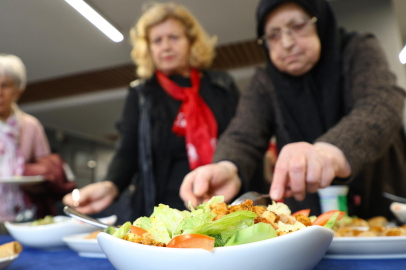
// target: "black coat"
[[149, 154]]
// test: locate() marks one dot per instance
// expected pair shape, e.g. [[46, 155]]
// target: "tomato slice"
[[192, 241], [304, 212], [137, 230], [323, 218]]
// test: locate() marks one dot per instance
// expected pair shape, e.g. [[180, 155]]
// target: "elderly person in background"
[[22, 137], [333, 104], [172, 116]]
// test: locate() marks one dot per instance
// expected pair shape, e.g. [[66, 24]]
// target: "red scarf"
[[195, 120]]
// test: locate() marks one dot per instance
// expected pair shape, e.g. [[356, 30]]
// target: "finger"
[[201, 184], [280, 178], [89, 193], [328, 173], [297, 173], [313, 172], [68, 199], [186, 190]]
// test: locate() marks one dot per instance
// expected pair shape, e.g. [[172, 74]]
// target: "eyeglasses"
[[295, 29]]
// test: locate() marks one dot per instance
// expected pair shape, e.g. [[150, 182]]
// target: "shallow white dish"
[[385, 247], [306, 246], [5, 262], [21, 180], [85, 247], [399, 210], [50, 236]]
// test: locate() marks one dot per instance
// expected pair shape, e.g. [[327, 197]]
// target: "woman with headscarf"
[[334, 107], [172, 117]]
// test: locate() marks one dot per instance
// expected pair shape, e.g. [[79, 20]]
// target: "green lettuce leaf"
[[159, 231], [143, 222], [231, 222], [171, 218], [331, 221], [123, 230], [257, 232]]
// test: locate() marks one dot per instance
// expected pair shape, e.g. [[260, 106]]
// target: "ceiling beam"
[[231, 56]]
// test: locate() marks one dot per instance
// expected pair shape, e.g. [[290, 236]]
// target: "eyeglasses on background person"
[[295, 29]]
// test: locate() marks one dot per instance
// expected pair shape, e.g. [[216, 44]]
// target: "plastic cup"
[[333, 198]]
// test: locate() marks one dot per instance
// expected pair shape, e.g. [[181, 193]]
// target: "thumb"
[[67, 199]]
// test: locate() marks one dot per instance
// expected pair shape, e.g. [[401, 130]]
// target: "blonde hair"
[[201, 45], [12, 66]]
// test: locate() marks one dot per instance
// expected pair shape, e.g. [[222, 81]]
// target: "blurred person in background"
[[333, 104], [24, 149], [172, 116]]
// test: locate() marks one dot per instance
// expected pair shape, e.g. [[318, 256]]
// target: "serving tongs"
[[84, 218]]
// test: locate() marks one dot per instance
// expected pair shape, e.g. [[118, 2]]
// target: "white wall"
[[378, 17]]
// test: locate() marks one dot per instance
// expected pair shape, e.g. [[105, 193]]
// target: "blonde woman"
[[173, 115]]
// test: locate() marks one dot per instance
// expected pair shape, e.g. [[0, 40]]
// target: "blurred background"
[[78, 77]]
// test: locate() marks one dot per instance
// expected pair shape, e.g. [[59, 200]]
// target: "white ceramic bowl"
[[399, 210], [5, 262], [298, 250], [385, 247], [49, 236], [85, 247]]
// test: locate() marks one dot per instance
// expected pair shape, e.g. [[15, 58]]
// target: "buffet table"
[[34, 259]]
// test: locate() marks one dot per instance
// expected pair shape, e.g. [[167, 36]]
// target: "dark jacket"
[[145, 153], [369, 133]]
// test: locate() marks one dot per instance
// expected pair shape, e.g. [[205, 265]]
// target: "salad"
[[215, 224], [43, 221]]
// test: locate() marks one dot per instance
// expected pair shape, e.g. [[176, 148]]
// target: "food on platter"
[[215, 224], [43, 221], [49, 236], [10, 249], [374, 227], [92, 235]]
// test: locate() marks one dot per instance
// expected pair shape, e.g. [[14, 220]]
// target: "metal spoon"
[[255, 197], [79, 216]]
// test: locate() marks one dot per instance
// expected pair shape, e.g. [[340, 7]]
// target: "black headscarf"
[[311, 103]]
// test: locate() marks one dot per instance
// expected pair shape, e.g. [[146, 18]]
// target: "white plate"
[[84, 247], [385, 247], [21, 179], [306, 246], [5, 262], [50, 236]]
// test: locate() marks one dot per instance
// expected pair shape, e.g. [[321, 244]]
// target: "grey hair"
[[12, 66]]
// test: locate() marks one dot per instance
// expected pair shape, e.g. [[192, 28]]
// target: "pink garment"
[[33, 141], [23, 133], [11, 160]]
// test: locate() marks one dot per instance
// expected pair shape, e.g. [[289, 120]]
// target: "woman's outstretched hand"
[[94, 197], [210, 180], [302, 167]]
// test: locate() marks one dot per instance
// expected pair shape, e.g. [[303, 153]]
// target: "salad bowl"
[[302, 249], [50, 236]]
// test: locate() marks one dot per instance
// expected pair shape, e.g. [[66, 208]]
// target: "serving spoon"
[[86, 219], [255, 197]]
